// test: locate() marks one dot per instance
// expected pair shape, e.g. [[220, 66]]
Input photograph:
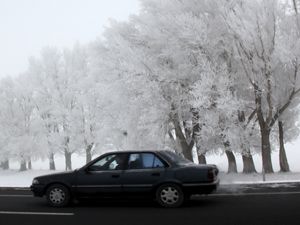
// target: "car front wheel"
[[169, 195], [58, 195]]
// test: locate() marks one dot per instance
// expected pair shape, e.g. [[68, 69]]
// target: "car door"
[[102, 177], [144, 170]]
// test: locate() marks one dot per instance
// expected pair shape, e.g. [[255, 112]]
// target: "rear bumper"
[[37, 190], [201, 188]]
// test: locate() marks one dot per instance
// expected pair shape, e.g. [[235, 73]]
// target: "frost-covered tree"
[[169, 52], [186, 38], [21, 125], [218, 107], [56, 75], [6, 115], [132, 114], [259, 28]]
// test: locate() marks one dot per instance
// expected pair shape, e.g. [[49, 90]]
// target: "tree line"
[[212, 76]]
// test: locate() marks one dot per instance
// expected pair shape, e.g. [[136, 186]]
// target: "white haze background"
[[29, 25]]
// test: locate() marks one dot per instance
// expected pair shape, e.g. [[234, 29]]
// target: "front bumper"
[[37, 190]]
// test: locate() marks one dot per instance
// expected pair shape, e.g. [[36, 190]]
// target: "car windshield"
[[177, 158]]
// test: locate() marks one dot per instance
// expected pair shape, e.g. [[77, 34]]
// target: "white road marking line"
[[16, 196], [36, 213], [260, 193]]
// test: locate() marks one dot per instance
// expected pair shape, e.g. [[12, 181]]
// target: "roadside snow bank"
[[258, 178], [15, 178]]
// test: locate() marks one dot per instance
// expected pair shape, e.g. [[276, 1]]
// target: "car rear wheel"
[[169, 195], [58, 195]]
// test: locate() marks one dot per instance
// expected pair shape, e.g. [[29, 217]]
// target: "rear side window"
[[158, 163], [148, 160], [144, 161]]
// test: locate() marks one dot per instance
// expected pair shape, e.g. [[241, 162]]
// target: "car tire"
[[58, 195], [169, 195]]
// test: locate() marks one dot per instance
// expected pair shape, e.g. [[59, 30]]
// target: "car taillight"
[[211, 174]]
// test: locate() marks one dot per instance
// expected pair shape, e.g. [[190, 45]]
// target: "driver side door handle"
[[155, 174], [115, 175]]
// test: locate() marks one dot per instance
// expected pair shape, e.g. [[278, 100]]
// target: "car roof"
[[133, 151], [159, 152]]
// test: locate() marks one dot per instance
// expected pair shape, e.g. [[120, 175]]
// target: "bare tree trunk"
[[173, 141], [29, 164], [248, 163], [68, 155], [5, 164], [201, 156], [202, 159], [232, 168], [284, 165], [187, 139], [88, 152], [68, 160], [23, 165], [51, 161], [185, 147], [266, 151], [265, 128]]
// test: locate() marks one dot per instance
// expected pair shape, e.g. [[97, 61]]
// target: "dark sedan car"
[[163, 175]]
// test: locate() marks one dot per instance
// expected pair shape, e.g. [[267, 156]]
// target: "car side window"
[[109, 162], [134, 161], [144, 161], [158, 163], [148, 160]]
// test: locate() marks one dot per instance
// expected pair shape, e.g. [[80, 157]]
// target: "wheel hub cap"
[[169, 195], [57, 195]]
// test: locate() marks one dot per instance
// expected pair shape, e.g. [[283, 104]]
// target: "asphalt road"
[[275, 205]]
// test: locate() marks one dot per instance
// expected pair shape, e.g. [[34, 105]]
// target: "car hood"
[[53, 175]]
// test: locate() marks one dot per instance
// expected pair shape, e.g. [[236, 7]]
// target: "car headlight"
[[35, 181]]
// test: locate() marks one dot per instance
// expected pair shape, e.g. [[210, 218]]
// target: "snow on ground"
[[14, 178], [241, 178]]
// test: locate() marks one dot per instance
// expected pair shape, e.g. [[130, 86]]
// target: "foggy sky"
[[29, 25]]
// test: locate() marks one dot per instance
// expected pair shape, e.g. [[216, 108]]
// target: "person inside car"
[[120, 162]]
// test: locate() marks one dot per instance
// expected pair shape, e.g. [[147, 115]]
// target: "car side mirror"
[[87, 170], [91, 168]]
